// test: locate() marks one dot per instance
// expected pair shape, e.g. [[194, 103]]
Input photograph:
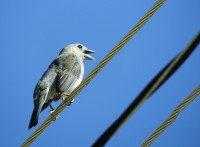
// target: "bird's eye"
[[80, 46]]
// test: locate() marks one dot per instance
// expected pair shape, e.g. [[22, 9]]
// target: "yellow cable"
[[172, 117], [106, 59], [154, 84]]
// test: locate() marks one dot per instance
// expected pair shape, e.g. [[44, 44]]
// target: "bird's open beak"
[[88, 57], [89, 51]]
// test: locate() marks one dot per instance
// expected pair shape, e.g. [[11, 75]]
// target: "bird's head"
[[79, 50]]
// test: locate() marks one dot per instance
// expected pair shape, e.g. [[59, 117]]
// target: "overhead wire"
[[154, 84], [171, 118], [94, 72]]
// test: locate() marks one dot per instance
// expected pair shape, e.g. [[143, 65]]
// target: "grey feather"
[[63, 75]]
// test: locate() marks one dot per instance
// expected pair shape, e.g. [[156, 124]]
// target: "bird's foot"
[[60, 95], [65, 96], [56, 118], [71, 102], [51, 112]]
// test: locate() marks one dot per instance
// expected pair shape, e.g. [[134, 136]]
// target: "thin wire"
[[155, 83], [106, 59], [172, 117]]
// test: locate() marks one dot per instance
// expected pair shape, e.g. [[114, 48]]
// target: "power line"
[[172, 117], [106, 59], [155, 83]]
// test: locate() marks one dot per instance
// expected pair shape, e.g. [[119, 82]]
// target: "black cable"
[[155, 83]]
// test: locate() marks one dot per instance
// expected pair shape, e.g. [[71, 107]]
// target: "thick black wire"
[[155, 83]]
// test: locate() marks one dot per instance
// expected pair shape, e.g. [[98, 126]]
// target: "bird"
[[62, 76]]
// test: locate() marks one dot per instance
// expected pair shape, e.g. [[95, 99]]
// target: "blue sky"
[[31, 36]]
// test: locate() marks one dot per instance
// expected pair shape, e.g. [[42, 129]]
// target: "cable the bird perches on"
[[105, 60]]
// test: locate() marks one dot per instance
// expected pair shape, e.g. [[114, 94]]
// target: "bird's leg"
[[51, 112], [52, 109], [63, 98]]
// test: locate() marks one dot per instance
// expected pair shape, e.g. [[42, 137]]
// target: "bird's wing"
[[62, 74], [47, 80], [41, 93], [70, 73]]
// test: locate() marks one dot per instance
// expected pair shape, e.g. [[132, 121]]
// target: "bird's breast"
[[79, 80]]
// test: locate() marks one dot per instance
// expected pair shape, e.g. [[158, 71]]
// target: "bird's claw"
[[51, 112], [71, 102], [56, 118], [64, 98]]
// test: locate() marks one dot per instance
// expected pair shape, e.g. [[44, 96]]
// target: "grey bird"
[[63, 75]]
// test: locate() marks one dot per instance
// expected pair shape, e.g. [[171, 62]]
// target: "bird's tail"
[[34, 117], [38, 104], [36, 111]]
